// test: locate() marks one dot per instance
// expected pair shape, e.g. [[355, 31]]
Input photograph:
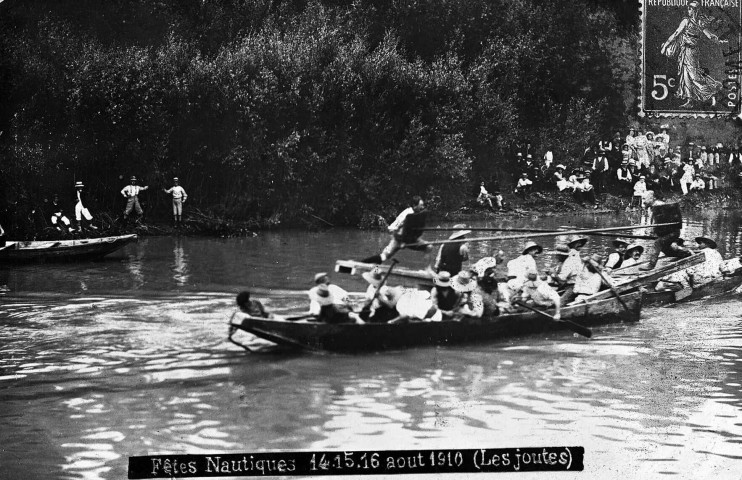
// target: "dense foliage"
[[273, 110]]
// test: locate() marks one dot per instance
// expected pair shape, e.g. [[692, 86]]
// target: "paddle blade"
[[578, 329]]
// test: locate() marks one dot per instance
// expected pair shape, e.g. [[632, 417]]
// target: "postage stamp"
[[691, 58]]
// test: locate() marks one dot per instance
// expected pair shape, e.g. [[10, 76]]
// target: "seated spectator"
[[585, 192], [640, 189], [471, 305], [697, 184], [58, 218], [484, 197], [687, 178], [524, 185], [444, 298], [561, 182], [624, 178], [538, 292], [653, 178]]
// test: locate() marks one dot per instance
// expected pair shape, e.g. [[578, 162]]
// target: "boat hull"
[[717, 287], [383, 336], [63, 250]]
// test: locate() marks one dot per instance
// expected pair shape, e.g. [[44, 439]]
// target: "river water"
[[128, 356]]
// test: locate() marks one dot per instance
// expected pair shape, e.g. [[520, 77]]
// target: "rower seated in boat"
[[415, 306], [487, 284], [589, 281], [539, 293], [615, 259], [444, 297], [632, 255], [381, 305], [471, 304], [329, 311], [251, 307]]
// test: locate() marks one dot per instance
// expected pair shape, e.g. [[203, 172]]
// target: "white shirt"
[[132, 190], [178, 192], [709, 269], [571, 267], [541, 293], [522, 182], [640, 188], [399, 221], [521, 266], [339, 297]]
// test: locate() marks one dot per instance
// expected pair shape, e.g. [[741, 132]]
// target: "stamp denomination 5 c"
[[691, 58]]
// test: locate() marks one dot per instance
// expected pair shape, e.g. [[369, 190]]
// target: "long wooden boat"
[[719, 286], [62, 250], [644, 279], [383, 336]]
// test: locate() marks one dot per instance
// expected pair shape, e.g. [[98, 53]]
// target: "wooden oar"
[[366, 310], [610, 285], [547, 234], [575, 327]]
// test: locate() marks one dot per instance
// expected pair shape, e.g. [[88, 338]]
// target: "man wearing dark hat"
[[131, 193], [661, 212], [179, 197], [451, 256], [616, 258]]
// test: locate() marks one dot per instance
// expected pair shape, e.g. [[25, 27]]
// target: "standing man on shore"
[[179, 198], [667, 236], [131, 193]]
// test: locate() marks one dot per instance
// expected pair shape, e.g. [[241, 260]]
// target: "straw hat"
[[462, 232], [79, 185], [373, 277], [133, 179], [483, 264], [321, 294], [443, 279], [561, 166], [561, 251], [619, 243], [577, 242], [531, 245], [707, 241], [463, 282], [175, 179], [632, 248], [319, 276]]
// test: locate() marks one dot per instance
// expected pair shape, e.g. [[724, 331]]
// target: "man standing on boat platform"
[[406, 231], [131, 193], [662, 212]]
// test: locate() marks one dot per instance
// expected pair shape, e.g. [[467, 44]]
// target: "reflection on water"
[[137, 363]]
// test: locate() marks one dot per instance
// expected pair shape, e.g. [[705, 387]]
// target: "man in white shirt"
[[524, 185], [339, 295], [406, 233], [131, 193], [179, 198]]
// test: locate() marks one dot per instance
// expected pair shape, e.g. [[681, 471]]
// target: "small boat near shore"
[[62, 250], [353, 338]]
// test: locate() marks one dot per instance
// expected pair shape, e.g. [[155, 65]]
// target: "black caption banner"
[[386, 462]]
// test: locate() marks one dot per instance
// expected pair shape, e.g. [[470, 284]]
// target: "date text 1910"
[[386, 462], [691, 57]]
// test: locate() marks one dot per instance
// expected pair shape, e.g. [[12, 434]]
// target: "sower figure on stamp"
[[668, 235], [179, 198], [131, 193], [694, 84]]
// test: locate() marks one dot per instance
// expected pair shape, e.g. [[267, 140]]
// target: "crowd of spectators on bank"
[[625, 166]]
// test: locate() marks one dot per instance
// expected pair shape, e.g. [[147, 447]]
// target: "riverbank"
[[547, 204]]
